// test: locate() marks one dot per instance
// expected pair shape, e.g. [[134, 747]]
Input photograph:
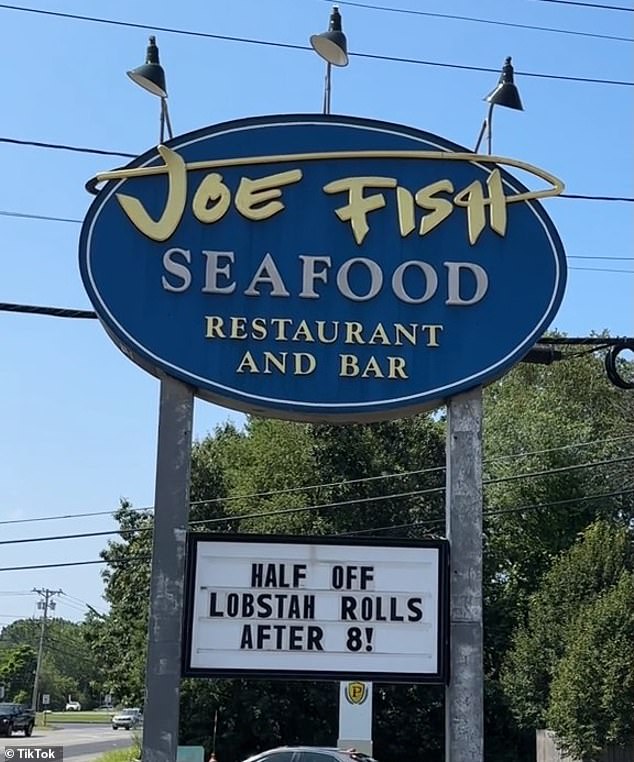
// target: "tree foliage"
[[120, 639], [553, 421], [69, 667], [17, 665], [570, 428], [580, 612], [592, 692], [556, 439]]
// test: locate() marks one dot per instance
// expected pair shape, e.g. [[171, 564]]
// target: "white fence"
[[547, 751]]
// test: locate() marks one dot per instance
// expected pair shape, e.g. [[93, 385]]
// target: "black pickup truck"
[[16, 717]]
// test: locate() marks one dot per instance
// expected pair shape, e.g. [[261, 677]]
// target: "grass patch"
[[57, 718], [120, 755]]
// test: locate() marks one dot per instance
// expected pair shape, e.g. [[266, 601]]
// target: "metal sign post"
[[355, 716], [171, 511], [464, 699]]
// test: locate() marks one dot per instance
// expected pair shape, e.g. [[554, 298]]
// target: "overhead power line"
[[74, 563], [325, 485], [323, 506], [33, 309], [587, 256], [73, 313], [585, 197], [46, 218], [144, 557], [4, 213], [290, 46], [602, 270], [234, 517], [65, 147], [496, 512], [88, 150], [596, 341], [493, 22], [587, 5]]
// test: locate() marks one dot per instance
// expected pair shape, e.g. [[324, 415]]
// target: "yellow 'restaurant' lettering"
[[392, 367], [321, 331]]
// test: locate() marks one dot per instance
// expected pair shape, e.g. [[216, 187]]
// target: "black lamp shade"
[[506, 93], [150, 76], [332, 45]]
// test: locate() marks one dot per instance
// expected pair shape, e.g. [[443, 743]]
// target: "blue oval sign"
[[322, 267]]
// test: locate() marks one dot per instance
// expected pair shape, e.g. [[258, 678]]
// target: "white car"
[[127, 718], [73, 706]]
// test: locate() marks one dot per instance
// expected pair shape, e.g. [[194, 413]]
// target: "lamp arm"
[[486, 127], [168, 123], [480, 136], [327, 88], [490, 129]]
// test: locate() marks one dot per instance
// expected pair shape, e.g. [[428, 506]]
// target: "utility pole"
[[45, 604]]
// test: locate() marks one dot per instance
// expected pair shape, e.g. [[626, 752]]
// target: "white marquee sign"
[[267, 606]]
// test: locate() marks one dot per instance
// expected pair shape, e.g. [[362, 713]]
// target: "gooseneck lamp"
[[151, 77], [504, 94], [332, 46]]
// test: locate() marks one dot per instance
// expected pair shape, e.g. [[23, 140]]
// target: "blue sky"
[[78, 419]]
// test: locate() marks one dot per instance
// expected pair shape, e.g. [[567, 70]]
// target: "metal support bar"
[[171, 513], [327, 88], [464, 698], [486, 128], [165, 121], [490, 130]]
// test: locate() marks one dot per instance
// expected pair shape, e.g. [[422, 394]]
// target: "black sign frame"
[[440, 677]]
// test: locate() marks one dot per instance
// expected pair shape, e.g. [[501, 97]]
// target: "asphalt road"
[[81, 743]]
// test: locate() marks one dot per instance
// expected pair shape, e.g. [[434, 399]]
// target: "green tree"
[[68, 665], [534, 420], [563, 423], [592, 692], [17, 667], [120, 639], [547, 646], [384, 475], [267, 476]]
